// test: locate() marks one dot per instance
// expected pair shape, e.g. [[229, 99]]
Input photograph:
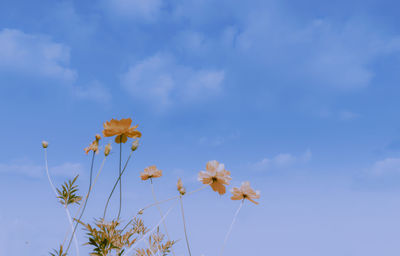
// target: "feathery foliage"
[[67, 194]]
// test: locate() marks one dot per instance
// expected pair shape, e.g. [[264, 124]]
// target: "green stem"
[[120, 180], [84, 206], [184, 225], [230, 228], [115, 185], [55, 192], [161, 214], [161, 202]]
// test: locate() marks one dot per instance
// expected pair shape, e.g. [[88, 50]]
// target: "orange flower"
[[179, 186], [216, 176], [94, 146], [122, 128], [150, 172], [245, 192]]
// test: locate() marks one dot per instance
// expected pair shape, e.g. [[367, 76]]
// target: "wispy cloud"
[[34, 55], [387, 166], [281, 161], [28, 168], [162, 82], [94, 91], [143, 11]]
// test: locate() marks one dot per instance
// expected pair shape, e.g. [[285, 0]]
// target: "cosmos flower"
[[245, 192], [150, 172], [216, 176], [179, 186], [122, 129]]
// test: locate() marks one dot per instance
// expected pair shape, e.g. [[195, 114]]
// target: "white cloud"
[[386, 166], [27, 168], [322, 53], [35, 55], [282, 161], [160, 81], [140, 10], [94, 91]]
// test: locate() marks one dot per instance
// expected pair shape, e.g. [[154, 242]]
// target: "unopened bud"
[[45, 144], [107, 149], [179, 186], [135, 145], [98, 137]]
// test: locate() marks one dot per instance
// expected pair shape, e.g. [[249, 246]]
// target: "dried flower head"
[[45, 144], [107, 149], [179, 186], [135, 145], [216, 176], [94, 146], [245, 192], [150, 172], [67, 194], [122, 129]]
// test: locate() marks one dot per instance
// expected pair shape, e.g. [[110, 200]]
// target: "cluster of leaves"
[[106, 237], [67, 194], [156, 245], [59, 252]]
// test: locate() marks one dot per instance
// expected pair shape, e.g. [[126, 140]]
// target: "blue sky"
[[298, 97]]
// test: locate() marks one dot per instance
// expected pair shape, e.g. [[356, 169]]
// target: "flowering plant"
[[112, 237]]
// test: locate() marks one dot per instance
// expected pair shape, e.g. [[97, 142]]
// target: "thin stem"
[[149, 232], [197, 190], [120, 180], [230, 228], [161, 202], [48, 174], [55, 192], [184, 225], [72, 229], [159, 210], [115, 185], [95, 180], [86, 199]]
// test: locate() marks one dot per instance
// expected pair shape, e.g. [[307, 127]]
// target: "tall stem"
[[95, 180], [84, 206], [161, 202], [66, 209], [72, 229], [184, 225], [120, 178], [115, 185], [159, 210], [230, 228]]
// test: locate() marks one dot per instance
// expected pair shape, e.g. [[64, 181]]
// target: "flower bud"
[[45, 144], [179, 186], [98, 137], [135, 145], [107, 149]]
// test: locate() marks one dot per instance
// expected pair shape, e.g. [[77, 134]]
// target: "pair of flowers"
[[216, 176]]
